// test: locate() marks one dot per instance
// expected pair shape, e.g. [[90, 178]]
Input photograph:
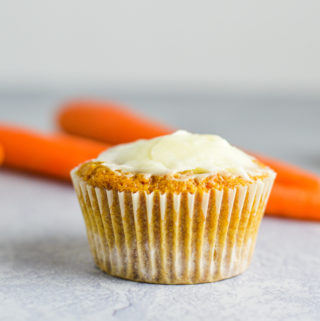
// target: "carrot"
[[107, 121], [1, 154], [290, 174], [294, 202], [53, 155]]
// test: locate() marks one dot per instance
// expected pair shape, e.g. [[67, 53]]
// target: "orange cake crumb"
[[98, 175]]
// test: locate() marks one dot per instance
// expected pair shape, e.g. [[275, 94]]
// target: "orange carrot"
[[1, 154], [294, 202], [107, 122], [53, 155], [290, 174]]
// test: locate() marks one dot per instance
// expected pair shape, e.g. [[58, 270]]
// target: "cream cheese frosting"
[[179, 152]]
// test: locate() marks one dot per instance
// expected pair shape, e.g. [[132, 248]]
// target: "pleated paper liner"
[[173, 238]]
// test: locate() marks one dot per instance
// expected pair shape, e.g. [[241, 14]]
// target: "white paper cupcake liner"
[[173, 238]]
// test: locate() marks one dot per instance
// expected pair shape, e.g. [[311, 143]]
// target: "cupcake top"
[[175, 162], [180, 152]]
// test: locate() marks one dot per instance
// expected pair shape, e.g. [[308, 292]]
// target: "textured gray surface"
[[46, 271]]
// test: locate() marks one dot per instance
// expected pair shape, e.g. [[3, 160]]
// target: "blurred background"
[[249, 71], [229, 45]]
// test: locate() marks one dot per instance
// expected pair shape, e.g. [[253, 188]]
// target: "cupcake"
[[177, 209]]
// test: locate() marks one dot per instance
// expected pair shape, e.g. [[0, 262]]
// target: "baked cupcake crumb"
[[97, 174]]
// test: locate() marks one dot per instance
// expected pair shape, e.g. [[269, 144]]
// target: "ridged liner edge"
[[173, 238]]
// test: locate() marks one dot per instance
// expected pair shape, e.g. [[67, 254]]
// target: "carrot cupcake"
[[177, 209]]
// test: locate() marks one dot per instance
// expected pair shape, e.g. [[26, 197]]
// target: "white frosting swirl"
[[179, 152]]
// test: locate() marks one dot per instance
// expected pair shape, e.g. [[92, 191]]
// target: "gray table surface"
[[47, 273]]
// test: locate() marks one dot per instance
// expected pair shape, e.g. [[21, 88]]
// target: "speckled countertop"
[[46, 271]]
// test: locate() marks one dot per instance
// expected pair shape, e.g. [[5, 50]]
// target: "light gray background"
[[46, 271], [147, 43]]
